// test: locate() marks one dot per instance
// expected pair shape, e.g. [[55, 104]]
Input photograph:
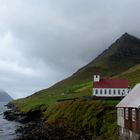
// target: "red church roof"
[[111, 83]]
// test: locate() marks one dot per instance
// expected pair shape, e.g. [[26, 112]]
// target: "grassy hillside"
[[96, 118], [50, 98], [132, 74], [74, 91], [118, 58]]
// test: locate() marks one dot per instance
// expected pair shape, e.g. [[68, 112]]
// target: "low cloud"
[[42, 42]]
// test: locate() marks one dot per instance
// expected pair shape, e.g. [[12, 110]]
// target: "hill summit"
[[121, 55]]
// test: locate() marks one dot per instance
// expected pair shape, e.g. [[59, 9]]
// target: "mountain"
[[126, 49], [120, 56], [4, 96], [123, 54], [79, 115]]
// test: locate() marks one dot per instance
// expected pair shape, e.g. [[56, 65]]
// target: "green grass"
[[50, 96], [132, 74], [47, 99], [96, 118]]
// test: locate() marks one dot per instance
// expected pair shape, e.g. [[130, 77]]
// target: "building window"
[[122, 112], [114, 91], [105, 91], [126, 113], [109, 91], [100, 91], [123, 92], [119, 112], [133, 115], [119, 92], [96, 91]]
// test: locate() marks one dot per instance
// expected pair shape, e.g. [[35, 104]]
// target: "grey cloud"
[[50, 39]]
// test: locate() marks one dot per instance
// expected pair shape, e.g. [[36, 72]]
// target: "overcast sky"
[[44, 41]]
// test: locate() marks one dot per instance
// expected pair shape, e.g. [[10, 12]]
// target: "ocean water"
[[7, 128]]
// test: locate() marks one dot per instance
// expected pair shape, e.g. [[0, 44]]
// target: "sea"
[[7, 128]]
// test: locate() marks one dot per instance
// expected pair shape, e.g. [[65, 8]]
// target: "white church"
[[106, 87]]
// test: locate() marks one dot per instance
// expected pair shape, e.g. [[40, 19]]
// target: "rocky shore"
[[35, 128]]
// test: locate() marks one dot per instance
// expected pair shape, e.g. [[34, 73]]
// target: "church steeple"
[[96, 78]]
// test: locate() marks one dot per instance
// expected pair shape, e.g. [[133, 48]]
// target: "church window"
[[110, 91], [114, 91], [105, 91], [119, 92], [101, 91], [96, 91]]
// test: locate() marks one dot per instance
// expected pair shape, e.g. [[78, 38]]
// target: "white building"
[[105, 87]]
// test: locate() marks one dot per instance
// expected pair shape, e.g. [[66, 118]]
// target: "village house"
[[128, 116], [106, 87]]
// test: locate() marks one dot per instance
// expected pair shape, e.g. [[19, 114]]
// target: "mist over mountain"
[[4, 96]]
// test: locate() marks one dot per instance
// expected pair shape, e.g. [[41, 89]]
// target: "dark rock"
[[14, 115], [35, 129], [10, 106], [41, 131], [11, 115]]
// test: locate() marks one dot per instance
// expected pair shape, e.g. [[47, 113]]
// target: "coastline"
[[35, 128]]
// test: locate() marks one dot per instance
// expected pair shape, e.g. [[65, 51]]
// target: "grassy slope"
[[50, 98], [82, 114], [119, 57], [96, 118], [132, 74]]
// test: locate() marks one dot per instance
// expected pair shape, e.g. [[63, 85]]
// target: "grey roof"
[[132, 99]]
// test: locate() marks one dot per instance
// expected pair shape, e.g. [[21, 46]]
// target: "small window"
[[123, 92], [119, 92], [133, 115], [114, 91], [122, 112], [105, 91], [109, 91], [96, 91], [119, 112], [101, 92], [126, 113]]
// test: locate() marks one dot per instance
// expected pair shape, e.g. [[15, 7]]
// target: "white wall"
[[120, 117], [110, 92]]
